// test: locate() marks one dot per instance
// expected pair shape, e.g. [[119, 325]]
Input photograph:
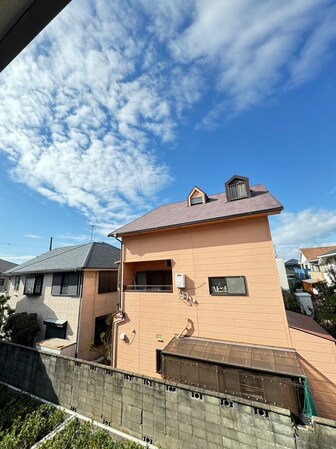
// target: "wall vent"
[[261, 412], [196, 395], [226, 402]]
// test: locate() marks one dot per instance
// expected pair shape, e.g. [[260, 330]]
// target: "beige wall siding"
[[237, 248], [67, 308], [318, 359], [93, 305], [46, 306]]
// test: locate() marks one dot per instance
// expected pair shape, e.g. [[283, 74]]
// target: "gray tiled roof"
[[291, 262], [5, 265], [70, 258], [216, 208]]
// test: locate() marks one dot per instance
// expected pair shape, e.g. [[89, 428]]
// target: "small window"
[[158, 361], [2, 282], [16, 283], [108, 281], [229, 286], [197, 200], [33, 285]]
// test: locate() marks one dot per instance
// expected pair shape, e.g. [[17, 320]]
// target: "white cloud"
[[32, 236], [251, 49], [306, 228], [86, 106], [16, 258]]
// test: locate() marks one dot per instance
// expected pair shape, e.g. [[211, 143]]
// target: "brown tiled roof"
[[306, 324], [216, 208], [314, 253]]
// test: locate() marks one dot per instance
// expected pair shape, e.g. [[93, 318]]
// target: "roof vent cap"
[[237, 188]]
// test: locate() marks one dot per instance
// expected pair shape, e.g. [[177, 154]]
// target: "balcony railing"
[[149, 288]]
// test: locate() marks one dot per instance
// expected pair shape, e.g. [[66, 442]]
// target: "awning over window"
[[261, 358]]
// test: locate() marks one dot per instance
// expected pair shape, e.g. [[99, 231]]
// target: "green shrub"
[[24, 420], [13, 405]]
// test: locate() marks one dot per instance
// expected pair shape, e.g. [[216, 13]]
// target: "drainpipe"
[[120, 299], [81, 274]]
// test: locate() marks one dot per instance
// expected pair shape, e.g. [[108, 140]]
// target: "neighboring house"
[[4, 266], [327, 263], [318, 260], [290, 266], [202, 304], [72, 289], [282, 273]]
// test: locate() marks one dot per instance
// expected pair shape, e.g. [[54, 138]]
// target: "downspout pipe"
[[120, 299]]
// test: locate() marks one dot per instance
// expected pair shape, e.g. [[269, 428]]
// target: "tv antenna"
[[92, 225]]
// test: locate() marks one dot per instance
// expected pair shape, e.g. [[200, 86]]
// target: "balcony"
[[149, 288], [151, 276]]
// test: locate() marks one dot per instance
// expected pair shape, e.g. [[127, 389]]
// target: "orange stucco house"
[[201, 303]]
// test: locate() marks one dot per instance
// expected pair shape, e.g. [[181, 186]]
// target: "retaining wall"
[[172, 416]]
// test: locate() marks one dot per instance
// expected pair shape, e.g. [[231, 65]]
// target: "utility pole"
[[50, 244]]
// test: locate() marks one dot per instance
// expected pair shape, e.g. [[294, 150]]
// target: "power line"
[[17, 244]]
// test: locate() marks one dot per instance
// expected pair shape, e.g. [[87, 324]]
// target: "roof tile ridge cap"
[[88, 255], [31, 262]]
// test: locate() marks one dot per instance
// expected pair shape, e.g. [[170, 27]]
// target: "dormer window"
[[196, 200], [237, 188], [196, 196]]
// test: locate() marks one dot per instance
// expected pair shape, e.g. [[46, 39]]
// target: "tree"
[[325, 308], [21, 328], [290, 301], [5, 312], [105, 349]]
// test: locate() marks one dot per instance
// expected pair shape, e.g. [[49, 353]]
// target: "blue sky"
[[117, 107]]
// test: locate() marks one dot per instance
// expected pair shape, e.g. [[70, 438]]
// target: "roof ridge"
[[31, 262], [86, 260]]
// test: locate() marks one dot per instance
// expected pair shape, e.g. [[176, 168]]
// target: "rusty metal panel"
[[258, 386], [267, 359]]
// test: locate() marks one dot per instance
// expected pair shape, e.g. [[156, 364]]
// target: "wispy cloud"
[[88, 108], [19, 259], [306, 228], [32, 236]]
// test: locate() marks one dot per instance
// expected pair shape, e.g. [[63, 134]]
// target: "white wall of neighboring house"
[[306, 304], [46, 305], [282, 273]]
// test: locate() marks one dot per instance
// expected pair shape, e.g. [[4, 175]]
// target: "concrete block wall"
[[171, 416]]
